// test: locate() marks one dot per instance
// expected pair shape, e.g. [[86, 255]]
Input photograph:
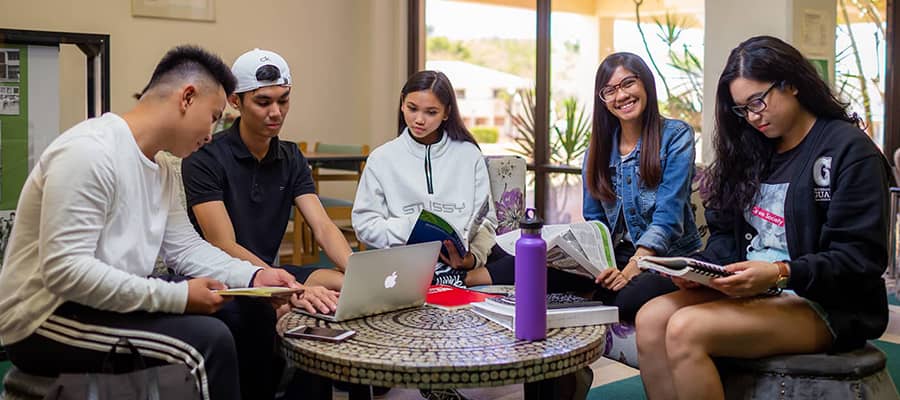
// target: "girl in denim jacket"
[[637, 181]]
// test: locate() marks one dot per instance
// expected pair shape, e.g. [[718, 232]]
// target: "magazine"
[[430, 227], [684, 267], [583, 248], [574, 314], [452, 298]]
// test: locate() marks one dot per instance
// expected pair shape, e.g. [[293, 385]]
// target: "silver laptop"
[[378, 281]]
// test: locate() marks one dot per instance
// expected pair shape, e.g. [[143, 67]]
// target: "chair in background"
[[305, 250], [892, 275], [507, 177]]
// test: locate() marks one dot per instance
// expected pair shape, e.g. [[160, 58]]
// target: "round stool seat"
[[857, 374], [854, 364]]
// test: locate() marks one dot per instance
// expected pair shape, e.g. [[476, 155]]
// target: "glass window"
[[860, 51], [488, 52]]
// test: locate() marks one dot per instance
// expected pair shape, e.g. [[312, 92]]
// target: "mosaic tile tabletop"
[[431, 348]]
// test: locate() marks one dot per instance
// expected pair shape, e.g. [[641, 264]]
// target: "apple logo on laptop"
[[391, 280]]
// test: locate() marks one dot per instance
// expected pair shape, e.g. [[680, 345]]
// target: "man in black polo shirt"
[[241, 186]]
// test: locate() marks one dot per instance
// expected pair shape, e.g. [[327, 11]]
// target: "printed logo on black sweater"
[[822, 177]]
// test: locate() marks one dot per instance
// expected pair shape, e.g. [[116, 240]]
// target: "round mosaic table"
[[431, 348]]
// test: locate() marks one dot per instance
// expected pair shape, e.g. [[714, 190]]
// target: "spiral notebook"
[[684, 267]]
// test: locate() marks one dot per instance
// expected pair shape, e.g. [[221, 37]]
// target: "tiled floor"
[[605, 371]]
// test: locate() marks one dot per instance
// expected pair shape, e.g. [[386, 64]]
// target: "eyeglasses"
[[756, 106], [608, 93]]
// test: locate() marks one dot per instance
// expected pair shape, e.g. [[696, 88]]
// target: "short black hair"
[[189, 59]]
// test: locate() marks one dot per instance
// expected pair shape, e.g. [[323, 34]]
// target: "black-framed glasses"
[[608, 92], [756, 106]]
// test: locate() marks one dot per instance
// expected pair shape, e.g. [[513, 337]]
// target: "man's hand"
[[316, 298], [274, 277], [201, 298]]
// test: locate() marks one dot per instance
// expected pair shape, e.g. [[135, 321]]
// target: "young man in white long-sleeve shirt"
[[92, 218]]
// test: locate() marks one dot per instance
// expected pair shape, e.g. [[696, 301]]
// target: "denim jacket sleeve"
[[592, 209], [674, 191]]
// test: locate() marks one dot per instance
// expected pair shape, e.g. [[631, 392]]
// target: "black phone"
[[320, 333]]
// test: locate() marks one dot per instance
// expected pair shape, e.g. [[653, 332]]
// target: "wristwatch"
[[784, 274]]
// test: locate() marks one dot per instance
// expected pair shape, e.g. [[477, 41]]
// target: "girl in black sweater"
[[798, 199]]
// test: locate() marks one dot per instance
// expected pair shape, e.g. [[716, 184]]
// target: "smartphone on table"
[[320, 333]]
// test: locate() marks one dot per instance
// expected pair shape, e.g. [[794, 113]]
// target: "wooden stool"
[[859, 374]]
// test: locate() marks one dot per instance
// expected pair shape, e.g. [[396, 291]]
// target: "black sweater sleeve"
[[853, 237]]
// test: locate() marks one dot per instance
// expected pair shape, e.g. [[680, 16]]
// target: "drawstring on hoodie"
[[428, 169]]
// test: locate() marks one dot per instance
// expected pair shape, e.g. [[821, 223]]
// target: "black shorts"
[[301, 273]]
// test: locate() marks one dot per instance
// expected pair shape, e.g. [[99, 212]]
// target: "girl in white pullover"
[[434, 164]]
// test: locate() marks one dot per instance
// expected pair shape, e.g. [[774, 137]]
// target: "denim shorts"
[[817, 308]]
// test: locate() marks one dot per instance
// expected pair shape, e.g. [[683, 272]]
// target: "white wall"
[[729, 22], [347, 56]]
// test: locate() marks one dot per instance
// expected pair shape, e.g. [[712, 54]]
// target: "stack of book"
[[502, 310]]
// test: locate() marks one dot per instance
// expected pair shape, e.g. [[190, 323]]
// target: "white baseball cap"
[[246, 66]]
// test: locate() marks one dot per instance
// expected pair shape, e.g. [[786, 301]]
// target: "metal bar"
[[542, 107]]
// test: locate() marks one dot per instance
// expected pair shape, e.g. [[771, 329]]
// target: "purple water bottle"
[[531, 280]]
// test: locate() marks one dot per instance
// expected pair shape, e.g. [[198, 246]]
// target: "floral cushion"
[[507, 175]]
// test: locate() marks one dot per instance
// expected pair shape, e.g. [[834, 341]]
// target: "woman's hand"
[[684, 283], [631, 269], [750, 278], [456, 261], [611, 278]]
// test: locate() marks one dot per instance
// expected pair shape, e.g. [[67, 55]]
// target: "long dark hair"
[[439, 84], [742, 153], [597, 172]]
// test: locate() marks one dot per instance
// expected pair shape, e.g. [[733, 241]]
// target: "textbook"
[[684, 267], [262, 291], [583, 248], [589, 313], [453, 298], [430, 227]]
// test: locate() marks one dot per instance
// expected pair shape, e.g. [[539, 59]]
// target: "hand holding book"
[[748, 278]]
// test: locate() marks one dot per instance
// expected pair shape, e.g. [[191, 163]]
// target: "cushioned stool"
[[859, 374], [18, 385]]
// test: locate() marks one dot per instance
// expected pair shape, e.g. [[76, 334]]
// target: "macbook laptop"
[[378, 281]]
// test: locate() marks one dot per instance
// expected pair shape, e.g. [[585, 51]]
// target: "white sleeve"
[[371, 219], [484, 240], [78, 190], [190, 255]]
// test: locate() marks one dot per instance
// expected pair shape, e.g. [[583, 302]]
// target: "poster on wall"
[[196, 10], [9, 100], [814, 39], [9, 65]]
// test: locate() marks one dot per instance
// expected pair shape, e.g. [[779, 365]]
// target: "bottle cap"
[[531, 220]]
